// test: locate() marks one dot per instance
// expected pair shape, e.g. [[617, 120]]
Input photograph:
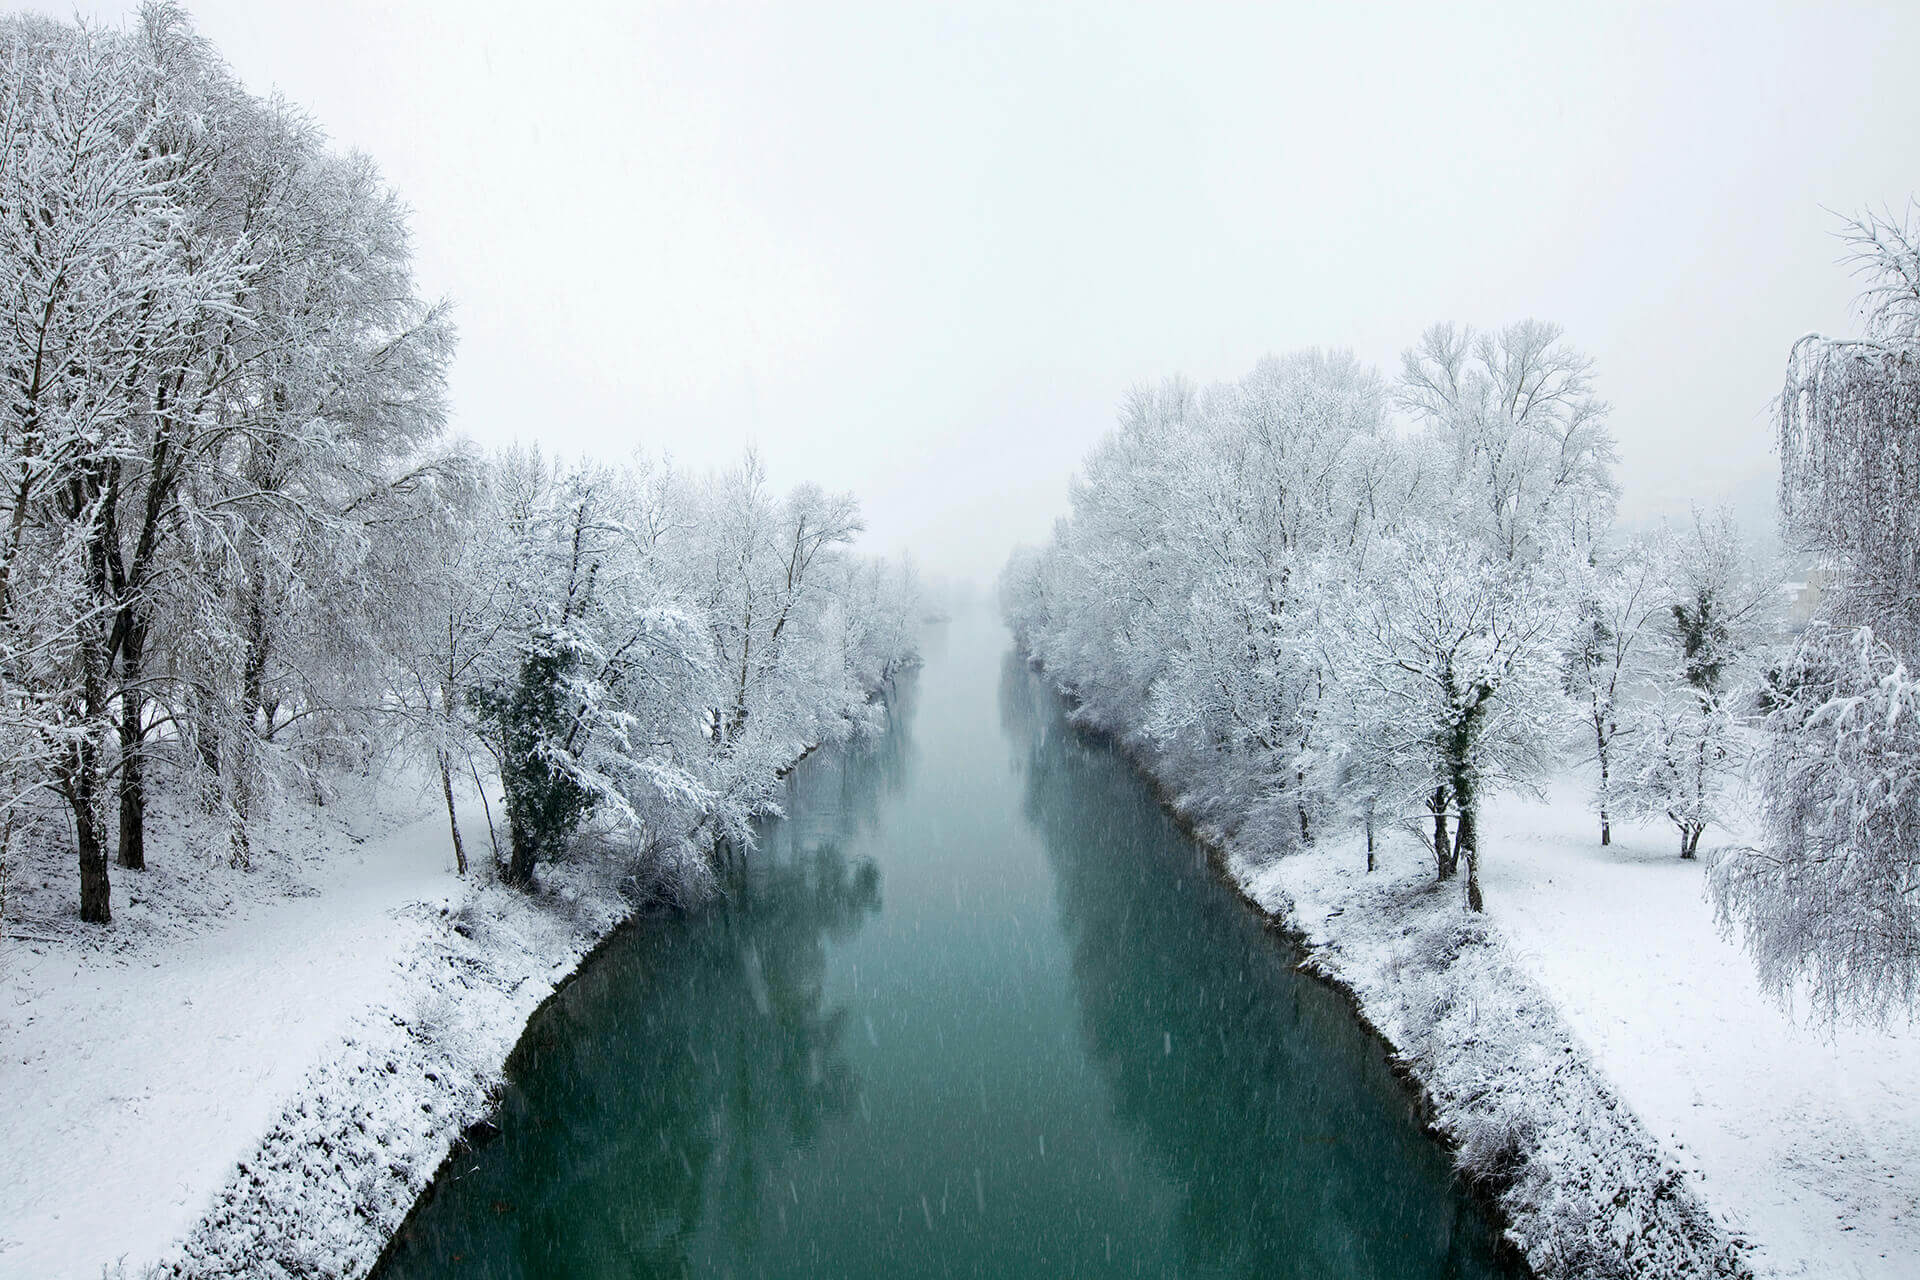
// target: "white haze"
[[921, 254]]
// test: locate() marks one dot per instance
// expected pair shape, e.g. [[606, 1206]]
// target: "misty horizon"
[[923, 257]]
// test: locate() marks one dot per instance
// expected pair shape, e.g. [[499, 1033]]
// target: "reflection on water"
[[1266, 1105], [1061, 1047], [647, 1099]]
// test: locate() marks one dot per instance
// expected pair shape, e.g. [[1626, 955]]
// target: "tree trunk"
[[453, 815], [1467, 849], [133, 790], [96, 905], [523, 850], [207, 733], [1369, 842], [254, 670], [520, 863], [133, 771], [1442, 846], [1606, 826]]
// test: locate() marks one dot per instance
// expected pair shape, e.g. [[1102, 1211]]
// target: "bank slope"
[[1586, 1189], [1597, 1042], [254, 1073], [334, 1176]]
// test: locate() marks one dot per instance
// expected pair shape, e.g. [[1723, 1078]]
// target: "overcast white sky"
[[921, 253]]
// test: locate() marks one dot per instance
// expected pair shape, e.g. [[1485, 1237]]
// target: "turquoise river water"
[[979, 1008]]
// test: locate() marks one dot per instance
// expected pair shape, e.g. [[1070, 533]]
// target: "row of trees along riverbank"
[[1318, 597], [241, 554], [1314, 610]]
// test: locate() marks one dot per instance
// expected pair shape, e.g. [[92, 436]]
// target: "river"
[[979, 1009]]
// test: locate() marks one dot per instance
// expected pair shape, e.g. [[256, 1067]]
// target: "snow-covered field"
[[131, 1081], [1809, 1142], [1804, 1147], [186, 1094]]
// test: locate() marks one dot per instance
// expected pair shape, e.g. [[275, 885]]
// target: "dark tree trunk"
[[82, 785], [453, 815], [523, 850], [96, 903], [520, 864], [1468, 850], [133, 798], [1442, 846], [133, 772], [1369, 842]]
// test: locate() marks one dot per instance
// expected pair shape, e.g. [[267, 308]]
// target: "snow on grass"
[[1810, 1142], [323, 1191], [349, 998]]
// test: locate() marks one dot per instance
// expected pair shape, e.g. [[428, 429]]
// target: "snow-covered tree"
[[1477, 605], [1712, 621], [1517, 438], [1276, 507], [99, 276], [216, 354], [1461, 652], [1826, 900], [236, 557], [1618, 602], [1681, 756], [1304, 614], [591, 704]]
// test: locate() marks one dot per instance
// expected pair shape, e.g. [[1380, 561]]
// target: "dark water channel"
[[980, 1010]]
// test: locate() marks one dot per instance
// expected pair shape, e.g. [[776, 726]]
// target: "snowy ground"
[[1810, 1143], [349, 999], [1599, 971]]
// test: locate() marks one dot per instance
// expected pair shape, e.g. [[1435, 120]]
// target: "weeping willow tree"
[[1828, 899]]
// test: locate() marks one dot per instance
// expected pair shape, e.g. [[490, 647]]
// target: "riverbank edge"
[[340, 1173], [1577, 1184], [337, 1173]]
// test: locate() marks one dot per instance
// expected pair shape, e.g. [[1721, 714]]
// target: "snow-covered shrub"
[[1829, 899]]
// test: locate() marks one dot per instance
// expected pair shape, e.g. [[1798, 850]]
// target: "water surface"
[[979, 1009]]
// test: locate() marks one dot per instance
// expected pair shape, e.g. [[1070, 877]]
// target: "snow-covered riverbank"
[[1597, 978], [269, 1093], [265, 1090]]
